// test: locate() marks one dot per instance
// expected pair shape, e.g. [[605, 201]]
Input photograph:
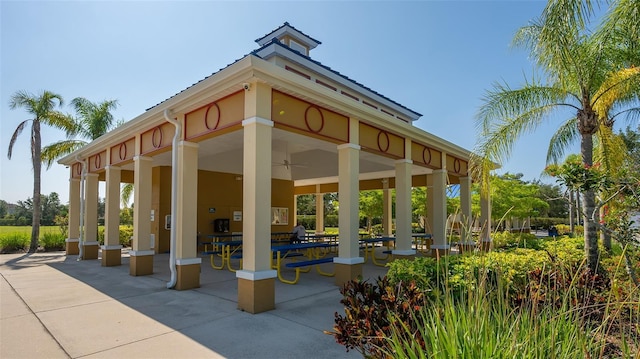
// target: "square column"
[[90, 243], [185, 220], [466, 219], [141, 260], [74, 217], [348, 265], [387, 209], [319, 211], [256, 281], [111, 250], [403, 208], [439, 214]]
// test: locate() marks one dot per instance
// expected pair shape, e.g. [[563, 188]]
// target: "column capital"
[[349, 145], [142, 158], [257, 121], [91, 175], [443, 170], [188, 144], [112, 167], [404, 160]]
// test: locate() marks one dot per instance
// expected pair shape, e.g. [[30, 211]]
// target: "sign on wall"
[[279, 216]]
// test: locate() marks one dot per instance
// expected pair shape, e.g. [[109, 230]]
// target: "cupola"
[[291, 37]]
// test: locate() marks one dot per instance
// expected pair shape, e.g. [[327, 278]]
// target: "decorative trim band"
[[254, 276], [258, 121], [72, 240], [188, 261], [348, 261], [141, 253], [404, 252], [93, 243], [111, 248], [349, 145]]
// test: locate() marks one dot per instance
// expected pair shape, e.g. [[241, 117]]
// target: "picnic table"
[[315, 253], [369, 245], [422, 242]]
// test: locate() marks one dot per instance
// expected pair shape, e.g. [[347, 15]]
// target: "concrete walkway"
[[52, 306]]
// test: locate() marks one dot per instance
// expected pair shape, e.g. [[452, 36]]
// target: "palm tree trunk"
[[572, 226], [36, 149], [588, 207]]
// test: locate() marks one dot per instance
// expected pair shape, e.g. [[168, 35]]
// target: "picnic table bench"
[[312, 252]]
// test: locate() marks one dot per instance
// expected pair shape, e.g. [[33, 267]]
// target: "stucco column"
[[485, 219], [74, 217], [466, 219], [319, 211], [141, 260], [403, 209], [256, 281], [429, 205], [348, 265], [439, 214], [111, 250], [90, 243], [186, 218], [387, 209]]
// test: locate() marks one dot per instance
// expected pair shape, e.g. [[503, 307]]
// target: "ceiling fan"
[[287, 165]]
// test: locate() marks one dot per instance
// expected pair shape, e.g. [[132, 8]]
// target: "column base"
[[141, 263], [90, 250], [442, 250], [346, 272], [111, 256], [72, 246], [256, 291], [410, 255], [188, 273]]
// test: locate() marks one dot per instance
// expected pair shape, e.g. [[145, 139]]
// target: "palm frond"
[[610, 149], [619, 86], [15, 136], [502, 102], [566, 134], [58, 149], [126, 192]]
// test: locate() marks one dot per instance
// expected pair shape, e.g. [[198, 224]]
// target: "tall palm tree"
[[93, 120], [41, 109], [583, 70]]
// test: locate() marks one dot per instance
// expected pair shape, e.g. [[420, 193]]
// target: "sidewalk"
[[52, 306]]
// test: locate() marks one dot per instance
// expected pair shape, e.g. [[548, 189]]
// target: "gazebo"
[[236, 148]]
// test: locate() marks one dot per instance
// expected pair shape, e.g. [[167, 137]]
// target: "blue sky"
[[435, 57]]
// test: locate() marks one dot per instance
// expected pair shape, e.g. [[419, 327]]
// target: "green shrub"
[[14, 242], [507, 240], [53, 241], [126, 232]]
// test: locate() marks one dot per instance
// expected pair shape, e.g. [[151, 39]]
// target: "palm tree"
[[93, 121], [585, 72], [42, 109]]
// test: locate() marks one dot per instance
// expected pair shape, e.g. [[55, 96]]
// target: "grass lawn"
[[6, 230]]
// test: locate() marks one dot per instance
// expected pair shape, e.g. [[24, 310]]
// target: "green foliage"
[[53, 241], [506, 240], [124, 235], [14, 242]]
